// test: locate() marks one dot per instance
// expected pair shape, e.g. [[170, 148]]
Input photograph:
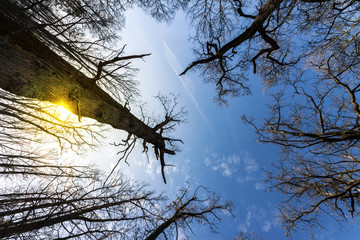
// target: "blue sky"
[[219, 151]]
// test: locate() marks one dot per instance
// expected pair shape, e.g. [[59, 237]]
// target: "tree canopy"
[[309, 49], [53, 59], [83, 204], [58, 52], [274, 38]]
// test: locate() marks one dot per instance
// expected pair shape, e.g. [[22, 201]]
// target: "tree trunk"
[[160, 229], [31, 69]]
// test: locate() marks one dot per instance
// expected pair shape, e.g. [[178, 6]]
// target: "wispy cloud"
[[239, 165], [259, 186], [185, 81], [207, 162], [250, 165], [256, 216], [152, 169]]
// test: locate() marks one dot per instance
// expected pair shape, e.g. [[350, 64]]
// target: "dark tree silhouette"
[[310, 48], [75, 207], [47, 59], [316, 122], [188, 208], [46, 55], [273, 37]]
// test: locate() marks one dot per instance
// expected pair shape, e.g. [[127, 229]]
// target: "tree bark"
[[160, 229], [31, 69]]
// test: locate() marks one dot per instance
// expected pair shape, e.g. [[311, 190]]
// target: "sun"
[[61, 111]]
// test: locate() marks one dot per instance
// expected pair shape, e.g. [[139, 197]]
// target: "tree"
[[47, 198], [317, 128], [44, 197], [274, 37], [311, 50], [46, 55], [188, 208], [74, 207], [30, 130]]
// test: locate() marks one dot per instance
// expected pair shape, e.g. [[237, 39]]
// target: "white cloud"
[[259, 186], [250, 178], [256, 216], [234, 159], [250, 165], [242, 228], [150, 169], [158, 170], [266, 226], [175, 169], [240, 180], [207, 162], [226, 170], [240, 166]]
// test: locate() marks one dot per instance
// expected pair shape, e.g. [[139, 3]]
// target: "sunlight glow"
[[62, 112]]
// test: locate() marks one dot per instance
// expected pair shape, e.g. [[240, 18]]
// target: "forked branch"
[[118, 58]]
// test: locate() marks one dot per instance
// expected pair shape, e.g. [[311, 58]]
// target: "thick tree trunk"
[[29, 68]]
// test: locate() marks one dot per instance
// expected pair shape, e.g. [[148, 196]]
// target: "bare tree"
[[43, 199], [272, 37], [34, 134], [162, 10], [188, 208], [76, 207], [44, 57], [312, 49], [316, 122]]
